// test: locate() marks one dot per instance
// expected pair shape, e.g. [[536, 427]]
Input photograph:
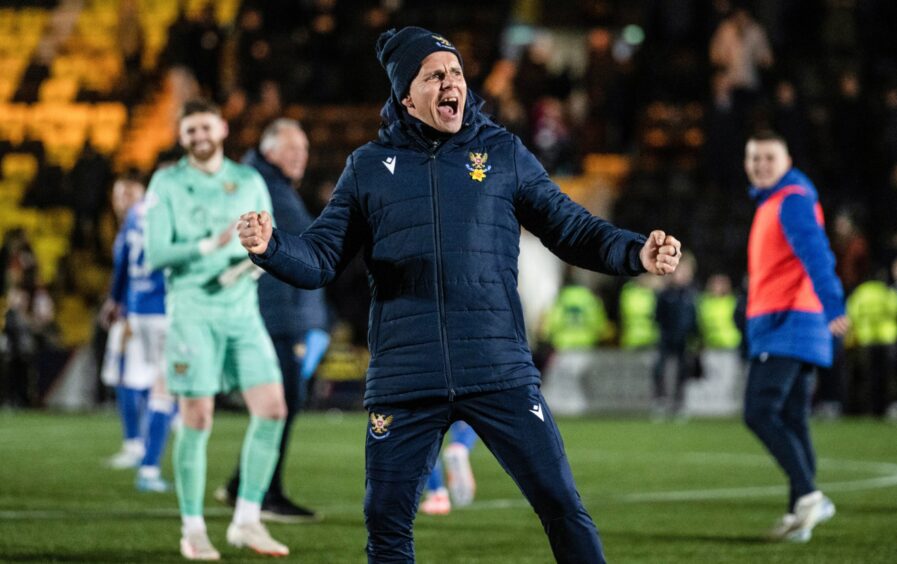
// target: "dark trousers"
[[294, 391], [679, 354], [403, 441], [870, 391], [777, 409]]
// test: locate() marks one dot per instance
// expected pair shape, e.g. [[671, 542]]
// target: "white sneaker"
[[786, 529], [461, 484], [436, 503], [810, 510], [125, 458], [256, 537], [827, 511], [197, 546]]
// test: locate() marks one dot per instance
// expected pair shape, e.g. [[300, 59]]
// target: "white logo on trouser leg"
[[537, 411]]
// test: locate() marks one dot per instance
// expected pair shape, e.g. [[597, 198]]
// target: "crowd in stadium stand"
[[674, 86]]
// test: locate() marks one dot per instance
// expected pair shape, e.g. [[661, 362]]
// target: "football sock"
[[161, 409], [316, 343], [131, 403], [434, 482], [464, 434], [192, 523], [258, 457], [189, 458], [247, 512]]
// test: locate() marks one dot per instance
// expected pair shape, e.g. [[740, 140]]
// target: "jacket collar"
[[268, 171], [792, 177], [400, 129]]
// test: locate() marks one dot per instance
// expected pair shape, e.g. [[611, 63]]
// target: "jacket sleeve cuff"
[[273, 244], [634, 265]]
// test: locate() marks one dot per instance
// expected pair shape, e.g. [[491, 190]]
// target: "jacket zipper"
[[440, 294]]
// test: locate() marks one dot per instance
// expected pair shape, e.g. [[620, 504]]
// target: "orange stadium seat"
[[60, 89]]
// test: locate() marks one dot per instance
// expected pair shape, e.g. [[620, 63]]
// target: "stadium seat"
[[13, 122], [75, 321], [20, 167], [48, 249], [11, 192], [58, 90]]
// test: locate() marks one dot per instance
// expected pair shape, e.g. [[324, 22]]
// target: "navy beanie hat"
[[402, 52]]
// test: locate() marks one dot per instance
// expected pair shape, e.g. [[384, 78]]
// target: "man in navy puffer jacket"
[[436, 206]]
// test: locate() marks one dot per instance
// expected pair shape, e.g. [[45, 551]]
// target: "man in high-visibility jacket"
[[638, 302], [577, 320], [716, 314], [872, 309]]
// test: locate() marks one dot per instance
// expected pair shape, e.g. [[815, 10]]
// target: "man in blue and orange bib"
[[795, 305]]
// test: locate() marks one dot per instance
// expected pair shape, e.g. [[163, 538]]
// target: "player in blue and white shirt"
[[138, 298]]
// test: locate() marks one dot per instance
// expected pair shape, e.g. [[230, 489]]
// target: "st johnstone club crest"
[[380, 425], [230, 187], [478, 167]]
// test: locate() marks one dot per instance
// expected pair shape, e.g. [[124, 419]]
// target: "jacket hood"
[[400, 129], [792, 177]]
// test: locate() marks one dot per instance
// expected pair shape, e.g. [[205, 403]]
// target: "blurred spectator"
[[577, 320], [740, 49], [551, 139], [872, 308], [89, 181], [716, 314], [49, 188], [28, 323], [638, 304], [851, 251], [16, 259], [501, 98], [677, 319], [534, 79], [605, 83]]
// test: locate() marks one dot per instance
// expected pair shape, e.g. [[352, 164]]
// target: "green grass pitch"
[[662, 493]]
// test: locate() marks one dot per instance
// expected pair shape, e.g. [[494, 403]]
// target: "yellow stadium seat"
[[63, 155], [75, 321], [12, 190], [59, 221], [19, 166]]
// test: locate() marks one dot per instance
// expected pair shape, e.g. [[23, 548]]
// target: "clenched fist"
[[255, 230], [661, 253]]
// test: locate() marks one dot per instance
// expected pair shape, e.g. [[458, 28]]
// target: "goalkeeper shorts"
[[206, 356]]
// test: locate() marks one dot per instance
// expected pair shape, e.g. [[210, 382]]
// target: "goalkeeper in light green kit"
[[216, 341]]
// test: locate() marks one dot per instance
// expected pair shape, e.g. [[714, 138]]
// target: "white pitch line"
[[889, 479], [50, 514]]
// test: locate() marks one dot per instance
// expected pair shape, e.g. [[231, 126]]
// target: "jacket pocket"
[[515, 307], [374, 326]]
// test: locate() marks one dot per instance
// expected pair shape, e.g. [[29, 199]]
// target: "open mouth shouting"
[[448, 107]]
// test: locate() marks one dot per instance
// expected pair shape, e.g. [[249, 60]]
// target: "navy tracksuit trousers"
[[777, 410], [403, 442]]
